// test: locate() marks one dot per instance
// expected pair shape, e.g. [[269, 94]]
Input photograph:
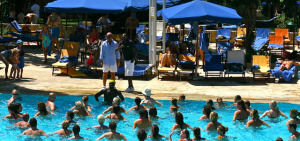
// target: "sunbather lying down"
[[287, 61], [167, 59]]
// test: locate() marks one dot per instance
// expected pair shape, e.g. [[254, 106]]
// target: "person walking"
[[129, 52], [110, 58]]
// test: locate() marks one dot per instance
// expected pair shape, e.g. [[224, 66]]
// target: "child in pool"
[[293, 114], [45, 35], [221, 130], [214, 122], [255, 122], [210, 103]]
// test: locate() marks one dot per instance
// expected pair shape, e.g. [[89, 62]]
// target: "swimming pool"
[[191, 113]]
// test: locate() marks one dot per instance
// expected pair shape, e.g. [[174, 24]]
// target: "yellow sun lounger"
[[240, 36], [161, 70], [264, 65], [186, 58], [72, 72], [65, 52]]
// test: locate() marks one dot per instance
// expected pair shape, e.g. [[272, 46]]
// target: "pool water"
[[191, 113]]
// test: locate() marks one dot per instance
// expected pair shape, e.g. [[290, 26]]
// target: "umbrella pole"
[[196, 52], [294, 36]]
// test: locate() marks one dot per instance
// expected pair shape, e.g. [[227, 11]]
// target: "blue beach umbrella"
[[141, 5], [199, 10], [86, 6]]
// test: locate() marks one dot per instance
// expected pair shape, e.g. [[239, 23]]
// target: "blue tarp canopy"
[[141, 5], [86, 6], [198, 10]]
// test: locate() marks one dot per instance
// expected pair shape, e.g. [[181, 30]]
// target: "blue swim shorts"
[[55, 32]]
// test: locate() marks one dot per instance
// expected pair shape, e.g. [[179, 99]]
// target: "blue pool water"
[[191, 113]]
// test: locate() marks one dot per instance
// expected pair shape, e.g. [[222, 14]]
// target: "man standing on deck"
[[54, 21], [109, 93], [110, 58], [129, 52]]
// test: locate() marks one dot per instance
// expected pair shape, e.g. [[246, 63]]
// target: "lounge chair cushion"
[[286, 74], [261, 70], [165, 69]]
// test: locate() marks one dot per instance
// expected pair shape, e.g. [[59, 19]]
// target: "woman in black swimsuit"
[[274, 112]]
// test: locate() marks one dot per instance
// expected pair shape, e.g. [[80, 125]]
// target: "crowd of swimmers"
[[82, 108]]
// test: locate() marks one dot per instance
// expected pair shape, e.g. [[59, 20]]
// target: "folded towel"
[[255, 66]]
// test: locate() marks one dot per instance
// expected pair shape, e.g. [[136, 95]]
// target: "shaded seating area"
[[235, 63], [262, 38], [222, 41], [260, 66], [213, 65]]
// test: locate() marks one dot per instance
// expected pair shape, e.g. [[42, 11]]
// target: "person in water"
[[214, 121], [293, 114], [236, 99], [113, 134], [255, 122], [34, 131], [149, 101], [80, 110], [142, 135], [50, 102], [206, 113], [155, 133], [174, 107], [274, 111], [143, 122], [197, 134], [116, 102], [116, 114], [101, 125], [24, 123], [138, 106], [221, 130], [180, 123], [184, 135], [110, 93], [15, 96], [76, 130], [41, 106], [241, 113], [220, 103], [64, 131], [292, 129]]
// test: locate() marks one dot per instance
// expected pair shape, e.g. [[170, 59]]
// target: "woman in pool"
[[221, 130], [197, 134], [184, 135], [138, 106], [116, 114], [214, 121], [143, 122], [241, 113], [174, 107], [13, 112], [80, 110], [247, 105], [236, 99], [142, 135], [153, 113], [15, 96], [292, 129], [180, 123], [210, 103], [293, 114], [85, 100], [41, 106], [155, 133], [101, 125], [206, 113], [274, 112], [255, 122], [220, 103], [64, 130]]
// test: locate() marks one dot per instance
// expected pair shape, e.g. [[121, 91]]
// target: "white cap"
[[147, 92]]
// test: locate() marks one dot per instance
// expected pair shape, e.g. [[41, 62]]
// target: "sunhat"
[[147, 92], [19, 41]]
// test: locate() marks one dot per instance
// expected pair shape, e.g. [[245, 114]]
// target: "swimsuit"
[[46, 40], [270, 116], [21, 59]]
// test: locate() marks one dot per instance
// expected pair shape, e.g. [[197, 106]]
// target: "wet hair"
[[65, 124], [207, 111], [112, 125], [142, 135], [179, 119], [237, 98], [76, 129], [174, 101], [219, 98], [153, 112], [79, 104], [85, 98], [197, 133], [293, 126], [222, 128], [10, 107], [242, 104], [116, 109], [155, 131], [25, 117], [42, 108], [33, 122], [294, 113], [209, 102], [187, 133], [273, 104], [70, 114], [213, 117], [51, 95], [100, 118], [137, 101], [117, 100], [247, 102], [254, 114], [143, 113], [182, 96], [279, 139], [17, 106]]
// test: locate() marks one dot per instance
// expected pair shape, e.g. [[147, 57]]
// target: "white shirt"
[[36, 9]]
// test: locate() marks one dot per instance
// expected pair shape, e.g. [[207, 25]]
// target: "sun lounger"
[[186, 65], [213, 63], [72, 72], [276, 44], [139, 70], [262, 38], [240, 36], [224, 32], [286, 74], [260, 66], [235, 59], [283, 33]]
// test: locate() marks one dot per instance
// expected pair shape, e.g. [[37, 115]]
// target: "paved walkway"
[[38, 80]]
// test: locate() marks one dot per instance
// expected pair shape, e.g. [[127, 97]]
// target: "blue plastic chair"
[[213, 63], [262, 38]]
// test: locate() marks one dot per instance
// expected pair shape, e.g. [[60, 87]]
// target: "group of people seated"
[[148, 113]]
